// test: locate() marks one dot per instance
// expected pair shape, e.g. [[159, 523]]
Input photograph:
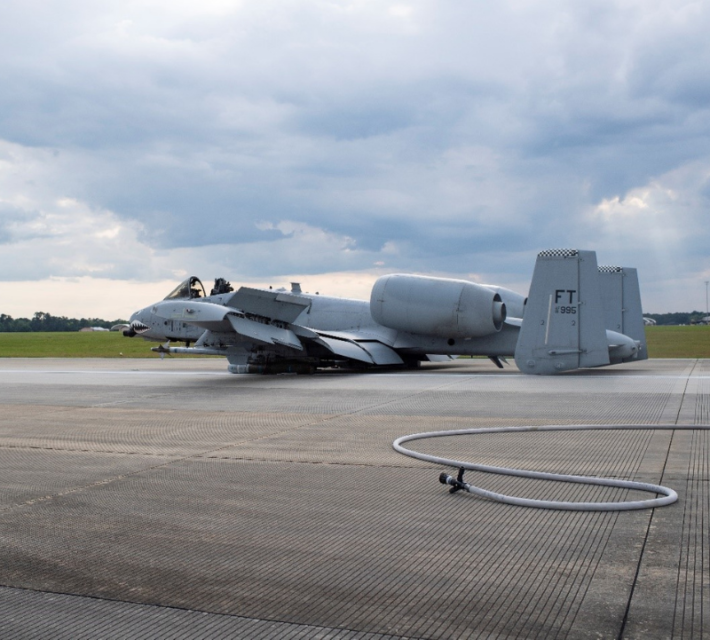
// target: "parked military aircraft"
[[576, 315]]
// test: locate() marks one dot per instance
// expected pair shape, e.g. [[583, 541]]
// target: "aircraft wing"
[[220, 319], [267, 333], [267, 317], [286, 307], [276, 305]]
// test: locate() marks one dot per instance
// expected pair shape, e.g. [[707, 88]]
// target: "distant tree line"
[[692, 317], [42, 321]]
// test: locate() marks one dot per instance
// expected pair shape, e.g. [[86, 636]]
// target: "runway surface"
[[170, 499]]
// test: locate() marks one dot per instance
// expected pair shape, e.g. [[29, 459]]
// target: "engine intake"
[[436, 306]]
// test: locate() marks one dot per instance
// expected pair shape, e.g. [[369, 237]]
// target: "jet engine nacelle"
[[436, 306]]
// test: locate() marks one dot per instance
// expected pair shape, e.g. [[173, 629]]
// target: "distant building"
[[93, 329]]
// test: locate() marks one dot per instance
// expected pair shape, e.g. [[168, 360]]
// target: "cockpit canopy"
[[189, 289]]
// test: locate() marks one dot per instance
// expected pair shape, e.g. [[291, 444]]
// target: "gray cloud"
[[12, 218], [431, 136]]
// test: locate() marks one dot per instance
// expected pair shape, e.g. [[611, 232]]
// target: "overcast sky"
[[332, 141]]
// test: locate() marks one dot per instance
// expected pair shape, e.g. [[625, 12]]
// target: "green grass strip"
[[77, 344], [692, 341], [663, 342]]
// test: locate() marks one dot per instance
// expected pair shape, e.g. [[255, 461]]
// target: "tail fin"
[[622, 305], [563, 324]]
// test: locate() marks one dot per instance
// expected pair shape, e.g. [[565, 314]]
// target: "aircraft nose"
[[136, 326], [139, 327]]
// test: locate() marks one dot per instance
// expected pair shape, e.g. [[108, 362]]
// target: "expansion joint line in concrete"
[[323, 420], [685, 390], [201, 454], [165, 607], [642, 553], [90, 485]]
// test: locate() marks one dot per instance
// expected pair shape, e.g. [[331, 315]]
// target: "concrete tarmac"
[[170, 499]]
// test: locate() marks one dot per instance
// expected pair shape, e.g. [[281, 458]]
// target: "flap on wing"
[[380, 353], [304, 332], [277, 305], [347, 349], [382, 335], [265, 332]]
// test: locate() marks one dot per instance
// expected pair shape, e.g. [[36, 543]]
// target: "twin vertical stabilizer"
[[621, 297], [564, 324]]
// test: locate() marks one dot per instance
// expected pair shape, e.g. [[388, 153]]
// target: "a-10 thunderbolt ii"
[[576, 315]]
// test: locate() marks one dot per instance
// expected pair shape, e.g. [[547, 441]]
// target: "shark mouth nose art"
[[139, 327]]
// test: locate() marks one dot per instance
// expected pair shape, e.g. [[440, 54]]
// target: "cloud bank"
[[140, 141]]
